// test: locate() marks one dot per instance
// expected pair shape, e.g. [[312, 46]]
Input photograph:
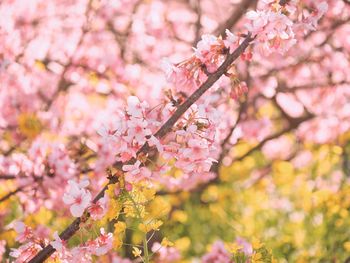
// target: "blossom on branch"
[[77, 197]]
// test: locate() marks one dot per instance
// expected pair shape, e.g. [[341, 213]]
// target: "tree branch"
[[7, 196], [234, 18], [198, 26]]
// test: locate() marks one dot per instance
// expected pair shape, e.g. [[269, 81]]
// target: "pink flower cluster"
[[44, 158], [32, 241], [208, 56], [165, 254], [123, 137], [189, 148], [217, 254], [274, 30], [98, 247]]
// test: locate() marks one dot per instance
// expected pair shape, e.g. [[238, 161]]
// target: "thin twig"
[[4, 198], [235, 17]]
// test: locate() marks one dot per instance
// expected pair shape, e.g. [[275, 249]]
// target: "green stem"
[[145, 247]]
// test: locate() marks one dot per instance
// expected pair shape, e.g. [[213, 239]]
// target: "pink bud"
[[128, 187], [117, 190]]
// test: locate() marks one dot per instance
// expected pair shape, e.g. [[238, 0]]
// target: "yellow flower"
[[257, 258], [93, 78], [149, 193], [40, 65], [150, 226], [158, 207], [29, 125], [113, 210], [256, 244], [346, 246], [117, 242], [166, 243], [180, 216], [119, 227], [183, 244], [234, 247], [136, 252]]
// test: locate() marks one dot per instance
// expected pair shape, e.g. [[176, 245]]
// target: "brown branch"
[[198, 26], [234, 18], [122, 37], [239, 11], [293, 125], [4, 198], [46, 252], [283, 2], [7, 177], [311, 86], [63, 84], [215, 166]]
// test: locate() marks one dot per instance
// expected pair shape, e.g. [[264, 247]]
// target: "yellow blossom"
[[136, 252], [166, 243], [114, 209], [29, 125], [119, 227], [150, 226], [346, 245], [234, 248], [256, 244], [257, 258]]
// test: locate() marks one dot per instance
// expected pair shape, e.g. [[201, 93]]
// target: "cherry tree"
[[108, 108]]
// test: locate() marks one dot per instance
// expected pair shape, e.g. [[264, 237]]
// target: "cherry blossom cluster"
[[83, 253], [274, 28], [191, 151], [209, 54], [29, 239], [123, 137], [165, 254], [43, 158], [46, 165], [189, 148], [32, 241], [218, 253]]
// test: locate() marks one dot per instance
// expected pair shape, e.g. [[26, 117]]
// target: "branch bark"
[[234, 18], [7, 196]]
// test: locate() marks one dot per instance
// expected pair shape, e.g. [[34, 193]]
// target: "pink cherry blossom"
[[135, 173], [77, 197], [97, 210], [218, 253], [135, 107], [104, 243], [24, 233], [2, 248], [165, 254], [25, 252], [137, 128], [58, 243], [232, 41]]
